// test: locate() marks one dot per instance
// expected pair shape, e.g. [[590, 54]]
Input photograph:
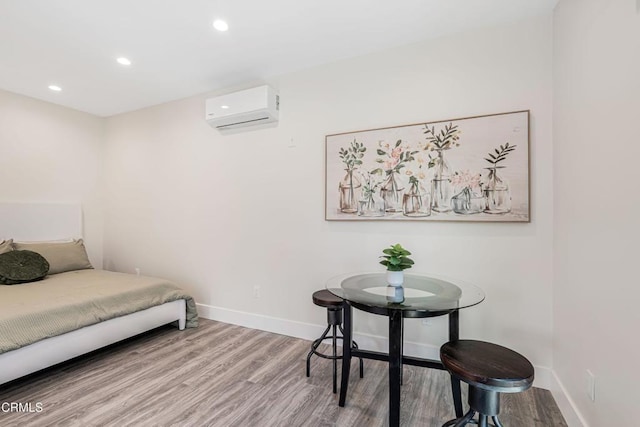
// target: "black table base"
[[395, 356]]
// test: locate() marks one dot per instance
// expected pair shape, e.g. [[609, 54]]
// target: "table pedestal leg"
[[401, 349], [347, 342], [454, 335], [395, 365]]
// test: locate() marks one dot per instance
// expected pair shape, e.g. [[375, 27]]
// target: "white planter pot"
[[395, 278]]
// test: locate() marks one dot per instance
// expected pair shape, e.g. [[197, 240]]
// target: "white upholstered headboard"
[[40, 221]]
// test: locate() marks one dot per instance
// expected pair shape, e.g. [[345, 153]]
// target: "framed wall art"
[[469, 169]]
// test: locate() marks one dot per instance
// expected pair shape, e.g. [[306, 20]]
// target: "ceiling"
[[176, 52]]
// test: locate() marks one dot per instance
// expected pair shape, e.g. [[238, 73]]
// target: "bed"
[[73, 312]]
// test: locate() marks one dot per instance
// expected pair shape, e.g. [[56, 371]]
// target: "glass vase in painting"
[[349, 192], [417, 201], [391, 192], [441, 185], [468, 202], [497, 194], [370, 205]]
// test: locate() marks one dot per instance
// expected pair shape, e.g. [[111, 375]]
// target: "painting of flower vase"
[[468, 169]]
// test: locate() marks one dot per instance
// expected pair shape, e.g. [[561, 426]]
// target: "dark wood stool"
[[489, 369], [334, 305]]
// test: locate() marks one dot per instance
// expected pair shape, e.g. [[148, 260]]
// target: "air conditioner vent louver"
[[248, 122]]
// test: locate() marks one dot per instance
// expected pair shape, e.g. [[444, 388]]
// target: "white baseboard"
[[545, 377], [567, 406]]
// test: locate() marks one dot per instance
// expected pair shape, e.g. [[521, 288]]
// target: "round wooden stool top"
[[487, 366], [324, 298]]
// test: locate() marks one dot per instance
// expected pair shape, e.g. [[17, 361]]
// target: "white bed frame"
[[64, 221]]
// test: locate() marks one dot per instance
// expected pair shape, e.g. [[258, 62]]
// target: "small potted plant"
[[396, 259]]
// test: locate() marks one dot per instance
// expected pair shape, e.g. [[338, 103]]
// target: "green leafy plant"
[[500, 155], [396, 258], [414, 182], [352, 156], [370, 186], [444, 140]]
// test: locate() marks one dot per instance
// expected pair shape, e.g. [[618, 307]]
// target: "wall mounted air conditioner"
[[244, 108]]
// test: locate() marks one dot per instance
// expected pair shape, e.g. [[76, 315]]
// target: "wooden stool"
[[489, 369], [324, 298]]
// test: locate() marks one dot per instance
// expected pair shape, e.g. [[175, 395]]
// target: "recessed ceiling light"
[[220, 25], [123, 61], [55, 88], [224, 107]]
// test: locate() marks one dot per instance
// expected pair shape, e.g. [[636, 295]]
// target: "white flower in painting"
[[466, 179], [390, 164]]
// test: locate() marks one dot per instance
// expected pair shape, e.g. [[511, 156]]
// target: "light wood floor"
[[226, 375]]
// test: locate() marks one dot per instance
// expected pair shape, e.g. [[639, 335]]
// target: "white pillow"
[[5, 246], [62, 256]]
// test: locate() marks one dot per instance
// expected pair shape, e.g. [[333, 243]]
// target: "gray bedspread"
[[64, 302]]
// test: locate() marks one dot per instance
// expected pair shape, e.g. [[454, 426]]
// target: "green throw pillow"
[[22, 267]]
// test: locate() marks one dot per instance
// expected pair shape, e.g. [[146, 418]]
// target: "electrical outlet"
[[256, 291], [591, 385], [425, 322]]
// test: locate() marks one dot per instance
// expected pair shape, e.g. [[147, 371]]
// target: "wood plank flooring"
[[226, 375]]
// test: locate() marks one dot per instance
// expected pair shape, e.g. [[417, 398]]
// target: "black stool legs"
[[334, 320], [484, 402]]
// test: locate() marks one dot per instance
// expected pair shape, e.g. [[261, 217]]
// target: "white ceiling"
[[176, 52]]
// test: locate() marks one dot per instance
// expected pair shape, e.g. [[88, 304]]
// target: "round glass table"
[[419, 296]]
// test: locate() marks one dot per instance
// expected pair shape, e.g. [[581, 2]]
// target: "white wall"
[[51, 154], [596, 149], [221, 214]]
